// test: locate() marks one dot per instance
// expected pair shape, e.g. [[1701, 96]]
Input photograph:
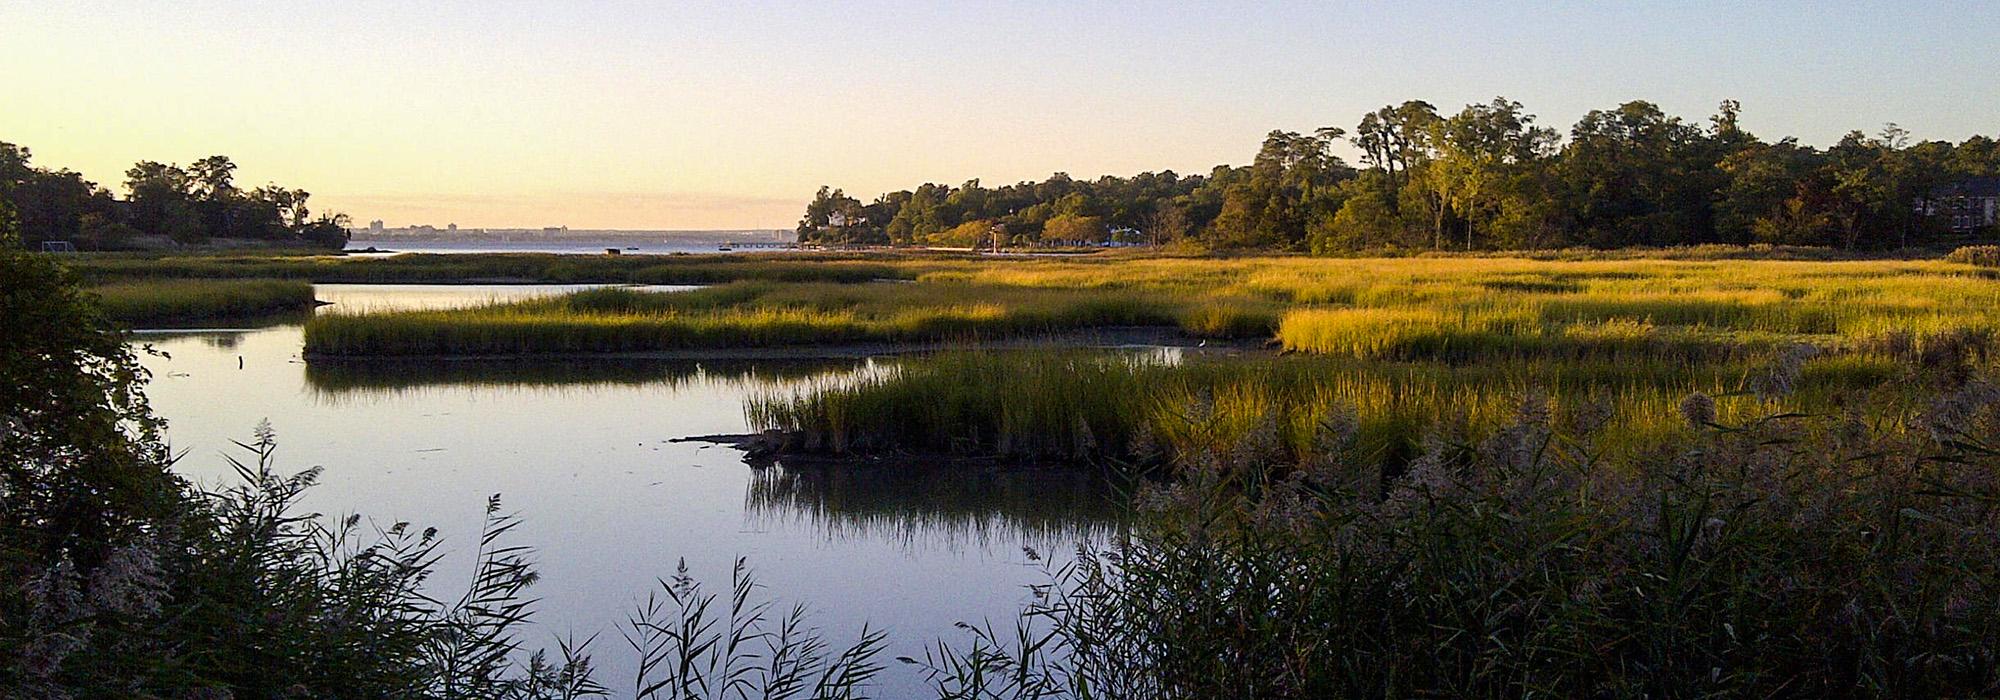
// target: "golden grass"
[[1385, 308]]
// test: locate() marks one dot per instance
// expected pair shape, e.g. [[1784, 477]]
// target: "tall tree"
[[1271, 205], [163, 202], [1393, 138], [212, 179], [1167, 223], [1635, 176], [1483, 152], [1761, 198]]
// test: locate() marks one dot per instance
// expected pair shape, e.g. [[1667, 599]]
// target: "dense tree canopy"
[[972, 214], [188, 205], [1486, 177]]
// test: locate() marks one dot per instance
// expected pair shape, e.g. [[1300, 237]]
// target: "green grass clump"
[[188, 301], [1081, 406], [1396, 333], [1065, 405], [1235, 318]]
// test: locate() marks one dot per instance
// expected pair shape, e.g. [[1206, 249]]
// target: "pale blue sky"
[[690, 115]]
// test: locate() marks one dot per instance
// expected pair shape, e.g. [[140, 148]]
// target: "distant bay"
[[578, 243]]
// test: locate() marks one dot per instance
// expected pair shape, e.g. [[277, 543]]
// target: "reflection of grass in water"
[[923, 504], [398, 377], [223, 341], [217, 339]]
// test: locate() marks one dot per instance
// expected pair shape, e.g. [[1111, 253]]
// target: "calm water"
[[363, 298], [584, 452], [563, 247]]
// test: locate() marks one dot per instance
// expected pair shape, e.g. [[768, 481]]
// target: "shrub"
[[1981, 255]]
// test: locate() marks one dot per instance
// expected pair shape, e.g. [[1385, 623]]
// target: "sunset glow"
[[630, 115]]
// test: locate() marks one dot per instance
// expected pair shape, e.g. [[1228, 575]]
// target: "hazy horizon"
[[620, 116], [361, 227]]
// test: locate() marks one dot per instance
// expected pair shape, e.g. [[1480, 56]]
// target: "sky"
[[692, 115]]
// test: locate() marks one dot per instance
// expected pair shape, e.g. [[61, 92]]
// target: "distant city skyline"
[[606, 115]]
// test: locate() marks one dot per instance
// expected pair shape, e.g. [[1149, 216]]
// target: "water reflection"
[[366, 298], [222, 341], [586, 453], [938, 505], [334, 378], [917, 505], [215, 338]]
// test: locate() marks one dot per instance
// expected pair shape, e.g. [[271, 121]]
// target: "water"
[[386, 247], [584, 452], [628, 246], [364, 298]]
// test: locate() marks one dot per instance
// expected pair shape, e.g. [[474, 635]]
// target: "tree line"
[[1486, 177], [188, 205]]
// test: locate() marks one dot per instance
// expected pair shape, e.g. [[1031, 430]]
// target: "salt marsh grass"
[[1821, 552], [183, 301], [1084, 406], [739, 315], [1457, 309]]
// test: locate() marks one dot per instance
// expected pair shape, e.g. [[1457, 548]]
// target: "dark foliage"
[[191, 205], [1485, 178]]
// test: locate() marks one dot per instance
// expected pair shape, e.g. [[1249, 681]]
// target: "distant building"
[[1966, 205], [451, 227], [375, 226]]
